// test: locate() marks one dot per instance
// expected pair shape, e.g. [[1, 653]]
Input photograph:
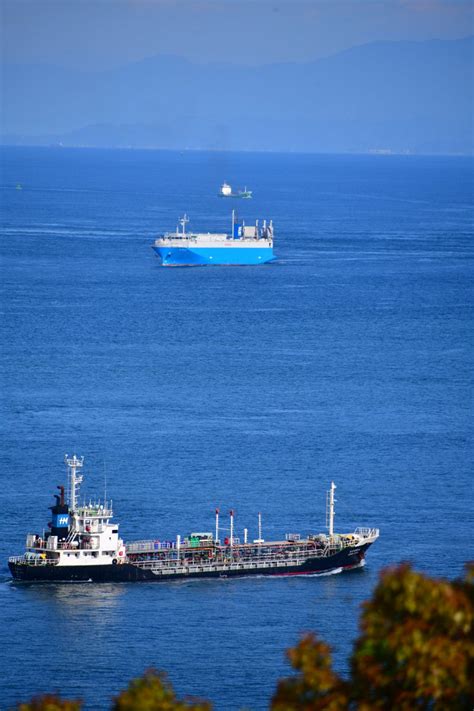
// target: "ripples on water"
[[248, 388]]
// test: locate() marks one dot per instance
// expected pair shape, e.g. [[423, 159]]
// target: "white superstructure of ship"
[[226, 191]]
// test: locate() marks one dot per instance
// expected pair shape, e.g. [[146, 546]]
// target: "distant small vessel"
[[226, 191], [245, 245], [83, 544], [19, 186]]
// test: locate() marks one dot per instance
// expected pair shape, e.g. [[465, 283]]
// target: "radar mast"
[[74, 479]]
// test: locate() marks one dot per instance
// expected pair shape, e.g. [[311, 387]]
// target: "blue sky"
[[102, 34]]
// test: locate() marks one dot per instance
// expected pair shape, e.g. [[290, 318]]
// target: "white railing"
[[32, 561], [299, 550], [226, 559], [367, 532], [216, 240], [149, 546], [219, 565]]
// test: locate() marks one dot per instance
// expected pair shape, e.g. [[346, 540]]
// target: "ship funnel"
[[60, 524]]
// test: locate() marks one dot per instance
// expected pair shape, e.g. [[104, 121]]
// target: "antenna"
[[217, 525], [105, 484], [183, 221], [73, 463]]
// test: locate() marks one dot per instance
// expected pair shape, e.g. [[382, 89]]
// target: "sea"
[[348, 359]]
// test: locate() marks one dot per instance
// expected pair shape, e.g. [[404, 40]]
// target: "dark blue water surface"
[[348, 360]]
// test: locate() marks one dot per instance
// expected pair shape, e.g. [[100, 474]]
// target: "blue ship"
[[245, 245]]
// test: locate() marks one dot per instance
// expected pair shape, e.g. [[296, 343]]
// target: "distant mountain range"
[[384, 96]]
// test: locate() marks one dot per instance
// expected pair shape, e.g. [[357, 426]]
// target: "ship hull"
[[242, 196], [208, 256], [348, 558]]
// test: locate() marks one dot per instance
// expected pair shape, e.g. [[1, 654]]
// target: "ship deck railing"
[[94, 511], [221, 565], [228, 558], [270, 548], [223, 240], [149, 546], [364, 532], [61, 546], [23, 560]]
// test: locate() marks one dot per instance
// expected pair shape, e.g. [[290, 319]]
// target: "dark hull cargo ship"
[[83, 545]]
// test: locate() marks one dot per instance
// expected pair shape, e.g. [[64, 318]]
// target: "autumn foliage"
[[153, 692], [50, 702], [415, 651]]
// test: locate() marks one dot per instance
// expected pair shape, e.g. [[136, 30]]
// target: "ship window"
[[115, 530]]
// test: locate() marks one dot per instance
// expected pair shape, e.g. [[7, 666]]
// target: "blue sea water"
[[349, 359]]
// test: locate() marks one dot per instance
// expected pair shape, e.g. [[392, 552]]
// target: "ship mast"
[[231, 527], [259, 539], [73, 463], [330, 509], [183, 222]]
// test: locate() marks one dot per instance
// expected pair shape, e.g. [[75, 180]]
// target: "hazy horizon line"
[[376, 153]]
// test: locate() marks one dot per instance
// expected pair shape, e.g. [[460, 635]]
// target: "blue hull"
[[204, 256]]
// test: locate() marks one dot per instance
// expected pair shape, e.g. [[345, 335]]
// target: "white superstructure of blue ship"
[[245, 245]]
